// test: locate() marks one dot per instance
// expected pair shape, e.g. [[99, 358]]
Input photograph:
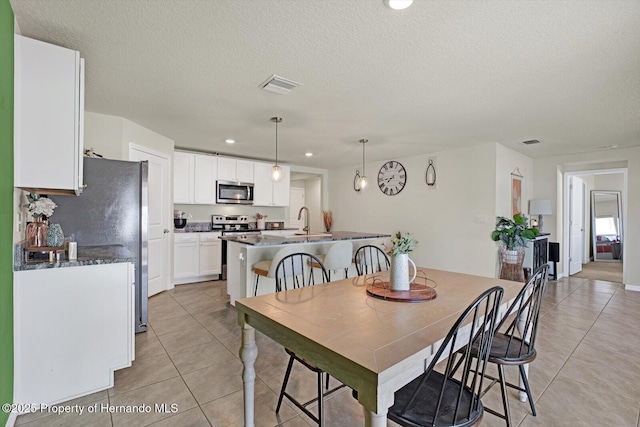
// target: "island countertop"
[[259, 240]]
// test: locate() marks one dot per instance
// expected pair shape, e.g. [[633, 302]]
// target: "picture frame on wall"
[[516, 192]]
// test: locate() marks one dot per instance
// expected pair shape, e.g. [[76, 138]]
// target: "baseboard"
[[13, 416], [635, 288]]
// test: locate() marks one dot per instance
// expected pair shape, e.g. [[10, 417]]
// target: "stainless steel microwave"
[[234, 193]]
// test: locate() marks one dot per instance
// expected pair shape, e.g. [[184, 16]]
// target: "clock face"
[[392, 178]]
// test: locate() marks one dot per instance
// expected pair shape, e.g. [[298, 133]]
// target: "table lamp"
[[540, 207]]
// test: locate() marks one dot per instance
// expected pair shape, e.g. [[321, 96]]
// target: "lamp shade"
[[540, 207]]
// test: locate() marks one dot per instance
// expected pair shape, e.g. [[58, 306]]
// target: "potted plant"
[[327, 219], [401, 246], [40, 208], [513, 235]]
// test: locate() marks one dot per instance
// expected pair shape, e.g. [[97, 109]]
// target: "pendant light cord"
[[363, 174], [276, 143]]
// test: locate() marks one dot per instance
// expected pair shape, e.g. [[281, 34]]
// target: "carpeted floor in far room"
[[608, 271]]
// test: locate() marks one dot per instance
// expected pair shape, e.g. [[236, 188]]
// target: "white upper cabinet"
[[194, 178], [263, 186], [206, 171], [267, 192], [183, 177], [48, 117], [235, 170], [281, 189]]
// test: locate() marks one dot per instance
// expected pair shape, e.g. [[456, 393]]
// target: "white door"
[[576, 226], [296, 196], [159, 207]]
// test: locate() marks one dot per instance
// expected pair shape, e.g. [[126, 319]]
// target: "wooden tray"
[[43, 248], [417, 292]]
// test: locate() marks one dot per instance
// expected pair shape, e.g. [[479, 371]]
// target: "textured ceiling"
[[437, 76]]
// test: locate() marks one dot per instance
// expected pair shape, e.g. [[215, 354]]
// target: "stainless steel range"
[[237, 225]]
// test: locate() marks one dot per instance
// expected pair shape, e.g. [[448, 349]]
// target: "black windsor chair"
[[515, 346], [290, 272], [371, 259], [439, 399]]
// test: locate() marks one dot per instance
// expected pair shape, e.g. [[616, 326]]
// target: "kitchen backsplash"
[[202, 213]]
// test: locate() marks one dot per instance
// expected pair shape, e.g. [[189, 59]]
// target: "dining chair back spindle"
[[371, 259]]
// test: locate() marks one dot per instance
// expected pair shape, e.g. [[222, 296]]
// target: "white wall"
[[110, 136], [609, 181], [547, 171], [103, 133], [508, 161], [452, 222], [136, 134]]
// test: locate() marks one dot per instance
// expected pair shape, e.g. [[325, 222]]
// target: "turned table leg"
[[248, 354]]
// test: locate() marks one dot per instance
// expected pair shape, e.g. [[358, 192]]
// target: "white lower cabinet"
[[73, 327], [196, 257]]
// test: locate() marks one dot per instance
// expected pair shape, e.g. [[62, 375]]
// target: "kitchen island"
[[245, 250]]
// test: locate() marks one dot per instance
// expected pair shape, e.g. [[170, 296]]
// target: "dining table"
[[373, 344]]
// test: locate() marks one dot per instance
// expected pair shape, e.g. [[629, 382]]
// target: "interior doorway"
[[592, 180], [296, 202], [310, 186]]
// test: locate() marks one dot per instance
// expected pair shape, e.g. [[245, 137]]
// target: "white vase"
[[260, 224], [399, 274]]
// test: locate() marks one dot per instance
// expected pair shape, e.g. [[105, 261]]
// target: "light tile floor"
[[587, 371]]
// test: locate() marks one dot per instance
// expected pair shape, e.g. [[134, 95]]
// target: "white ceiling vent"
[[277, 84]]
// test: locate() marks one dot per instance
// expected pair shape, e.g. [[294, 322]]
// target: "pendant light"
[[276, 170], [364, 182]]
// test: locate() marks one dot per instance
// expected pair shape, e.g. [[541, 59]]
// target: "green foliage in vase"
[[402, 244], [513, 233]]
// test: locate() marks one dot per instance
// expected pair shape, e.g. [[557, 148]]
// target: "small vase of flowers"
[[40, 208], [260, 223], [401, 246]]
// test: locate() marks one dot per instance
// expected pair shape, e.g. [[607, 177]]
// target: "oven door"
[[235, 193]]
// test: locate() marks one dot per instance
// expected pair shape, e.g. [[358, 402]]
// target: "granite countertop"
[[87, 255], [259, 240]]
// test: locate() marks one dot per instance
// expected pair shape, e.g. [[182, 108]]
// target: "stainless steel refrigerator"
[[112, 210]]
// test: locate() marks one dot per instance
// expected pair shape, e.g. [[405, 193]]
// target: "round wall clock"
[[392, 178]]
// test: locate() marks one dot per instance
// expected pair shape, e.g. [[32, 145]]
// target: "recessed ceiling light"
[[398, 4], [229, 141], [531, 141], [308, 154]]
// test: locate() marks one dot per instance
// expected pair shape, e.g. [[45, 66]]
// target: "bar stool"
[[267, 268], [338, 256]]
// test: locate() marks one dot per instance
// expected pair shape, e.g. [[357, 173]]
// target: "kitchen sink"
[[312, 234]]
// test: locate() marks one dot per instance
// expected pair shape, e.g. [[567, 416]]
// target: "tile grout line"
[[571, 355], [178, 370]]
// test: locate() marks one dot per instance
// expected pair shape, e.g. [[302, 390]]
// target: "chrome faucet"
[[306, 218]]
